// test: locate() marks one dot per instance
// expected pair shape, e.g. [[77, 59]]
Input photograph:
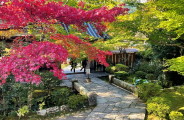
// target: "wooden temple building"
[[124, 56]]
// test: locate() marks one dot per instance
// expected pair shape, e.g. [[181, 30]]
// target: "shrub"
[[149, 68], [139, 81], [60, 96], [39, 93], [147, 90], [159, 100], [158, 106], [49, 81], [175, 115], [38, 96], [116, 68], [181, 110], [107, 69], [76, 101], [140, 74], [121, 67], [23, 111], [150, 76], [121, 75], [160, 110], [113, 69], [180, 90], [14, 94], [110, 69], [153, 67], [12, 114], [41, 105]]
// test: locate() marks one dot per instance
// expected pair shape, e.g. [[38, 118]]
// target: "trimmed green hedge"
[[121, 67], [122, 75], [116, 68], [140, 74]]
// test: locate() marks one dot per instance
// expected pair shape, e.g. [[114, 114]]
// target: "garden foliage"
[[121, 67], [140, 74], [76, 101], [122, 75], [158, 106], [175, 115], [25, 60], [148, 90], [110, 69]]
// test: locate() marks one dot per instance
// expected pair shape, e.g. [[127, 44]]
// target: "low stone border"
[[123, 84], [52, 110], [92, 97]]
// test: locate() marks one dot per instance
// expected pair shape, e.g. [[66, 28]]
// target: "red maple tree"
[[25, 60]]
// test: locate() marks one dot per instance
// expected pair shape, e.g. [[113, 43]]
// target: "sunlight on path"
[[113, 103]]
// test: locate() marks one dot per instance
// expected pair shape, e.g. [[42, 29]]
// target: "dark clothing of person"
[[84, 64], [73, 65]]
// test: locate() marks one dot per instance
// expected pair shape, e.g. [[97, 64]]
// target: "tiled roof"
[[128, 50]]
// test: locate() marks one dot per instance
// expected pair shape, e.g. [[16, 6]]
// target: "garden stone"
[[88, 80], [110, 78], [42, 112], [64, 108], [125, 85], [73, 81], [52, 109], [83, 91], [92, 98]]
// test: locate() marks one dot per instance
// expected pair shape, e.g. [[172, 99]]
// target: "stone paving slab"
[[113, 103]]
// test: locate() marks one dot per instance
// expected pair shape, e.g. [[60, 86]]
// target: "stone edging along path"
[[113, 103]]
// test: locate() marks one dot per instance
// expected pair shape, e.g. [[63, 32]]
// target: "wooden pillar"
[[112, 58], [132, 59], [129, 59], [115, 58], [125, 58]]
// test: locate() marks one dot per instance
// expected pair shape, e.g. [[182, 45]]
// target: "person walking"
[[73, 64], [84, 64]]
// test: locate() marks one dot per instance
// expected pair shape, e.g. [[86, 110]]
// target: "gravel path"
[[113, 103]]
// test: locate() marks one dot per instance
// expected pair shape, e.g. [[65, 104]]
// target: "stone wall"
[[92, 97], [123, 84]]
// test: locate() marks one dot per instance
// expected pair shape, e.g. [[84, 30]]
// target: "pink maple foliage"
[[20, 13], [25, 60]]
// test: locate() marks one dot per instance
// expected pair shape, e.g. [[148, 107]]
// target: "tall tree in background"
[[159, 23]]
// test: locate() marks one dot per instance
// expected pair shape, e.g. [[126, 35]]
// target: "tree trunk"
[[30, 97]]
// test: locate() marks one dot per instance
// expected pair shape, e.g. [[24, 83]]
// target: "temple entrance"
[[80, 67]]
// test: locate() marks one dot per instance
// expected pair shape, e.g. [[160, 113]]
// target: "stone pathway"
[[113, 103]]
